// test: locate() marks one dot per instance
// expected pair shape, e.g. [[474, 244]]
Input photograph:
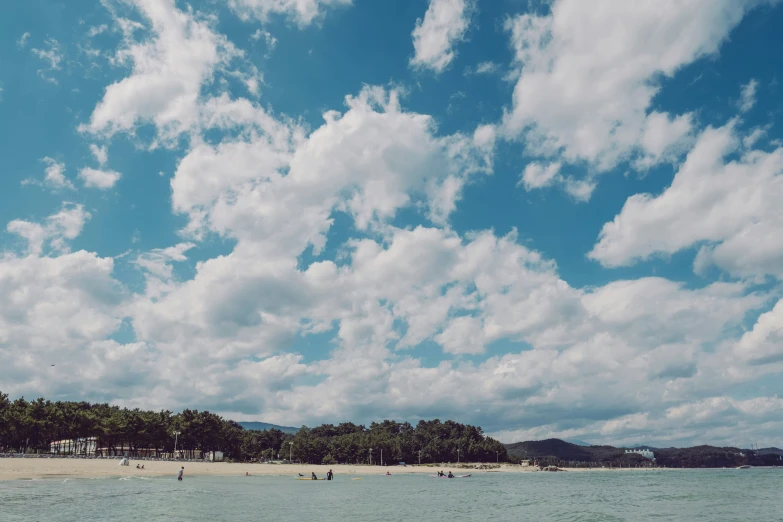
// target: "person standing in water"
[[329, 475], [181, 471]]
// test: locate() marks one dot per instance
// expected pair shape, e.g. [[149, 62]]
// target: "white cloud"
[[169, 69], [718, 420], [54, 175], [581, 189], [53, 56], [269, 40], [486, 68], [101, 153], [54, 179], [96, 30], [445, 24], [748, 96], [275, 190], [157, 262], [729, 206], [54, 317], [462, 294], [56, 230], [158, 269], [99, 178], [303, 12], [764, 343], [370, 161], [537, 176], [574, 103], [22, 41], [664, 138]]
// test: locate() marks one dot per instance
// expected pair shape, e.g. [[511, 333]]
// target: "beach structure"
[[214, 456], [643, 452], [81, 446]]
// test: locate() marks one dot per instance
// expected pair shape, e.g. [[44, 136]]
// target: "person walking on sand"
[[181, 471]]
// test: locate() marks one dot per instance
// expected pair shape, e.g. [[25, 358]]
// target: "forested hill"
[[263, 426], [427, 441], [42, 426], [556, 451]]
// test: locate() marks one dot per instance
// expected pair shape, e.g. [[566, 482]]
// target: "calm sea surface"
[[710, 495]]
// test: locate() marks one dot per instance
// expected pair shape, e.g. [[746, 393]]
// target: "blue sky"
[[548, 218]]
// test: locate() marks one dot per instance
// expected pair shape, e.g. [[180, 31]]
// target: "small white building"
[[643, 452], [82, 446], [214, 456]]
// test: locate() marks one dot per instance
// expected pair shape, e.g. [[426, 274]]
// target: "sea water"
[[709, 495]]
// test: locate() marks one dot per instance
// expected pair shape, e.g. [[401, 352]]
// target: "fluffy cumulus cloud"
[[100, 179], [588, 73], [57, 311], [537, 175], [369, 161], [303, 12], [764, 344], [444, 25], [724, 200], [55, 176], [54, 231], [343, 234], [168, 70]]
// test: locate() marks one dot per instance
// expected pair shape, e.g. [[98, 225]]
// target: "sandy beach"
[[38, 468], [29, 468]]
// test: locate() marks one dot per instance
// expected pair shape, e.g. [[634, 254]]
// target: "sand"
[[29, 468], [40, 468]]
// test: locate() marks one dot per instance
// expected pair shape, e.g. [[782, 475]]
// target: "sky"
[[548, 218]]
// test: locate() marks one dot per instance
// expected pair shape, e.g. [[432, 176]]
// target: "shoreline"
[[58, 468]]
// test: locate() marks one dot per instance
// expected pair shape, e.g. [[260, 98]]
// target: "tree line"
[[41, 426]]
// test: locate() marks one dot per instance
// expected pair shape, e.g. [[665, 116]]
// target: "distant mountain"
[[558, 451], [770, 451], [577, 442], [554, 448], [266, 426]]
